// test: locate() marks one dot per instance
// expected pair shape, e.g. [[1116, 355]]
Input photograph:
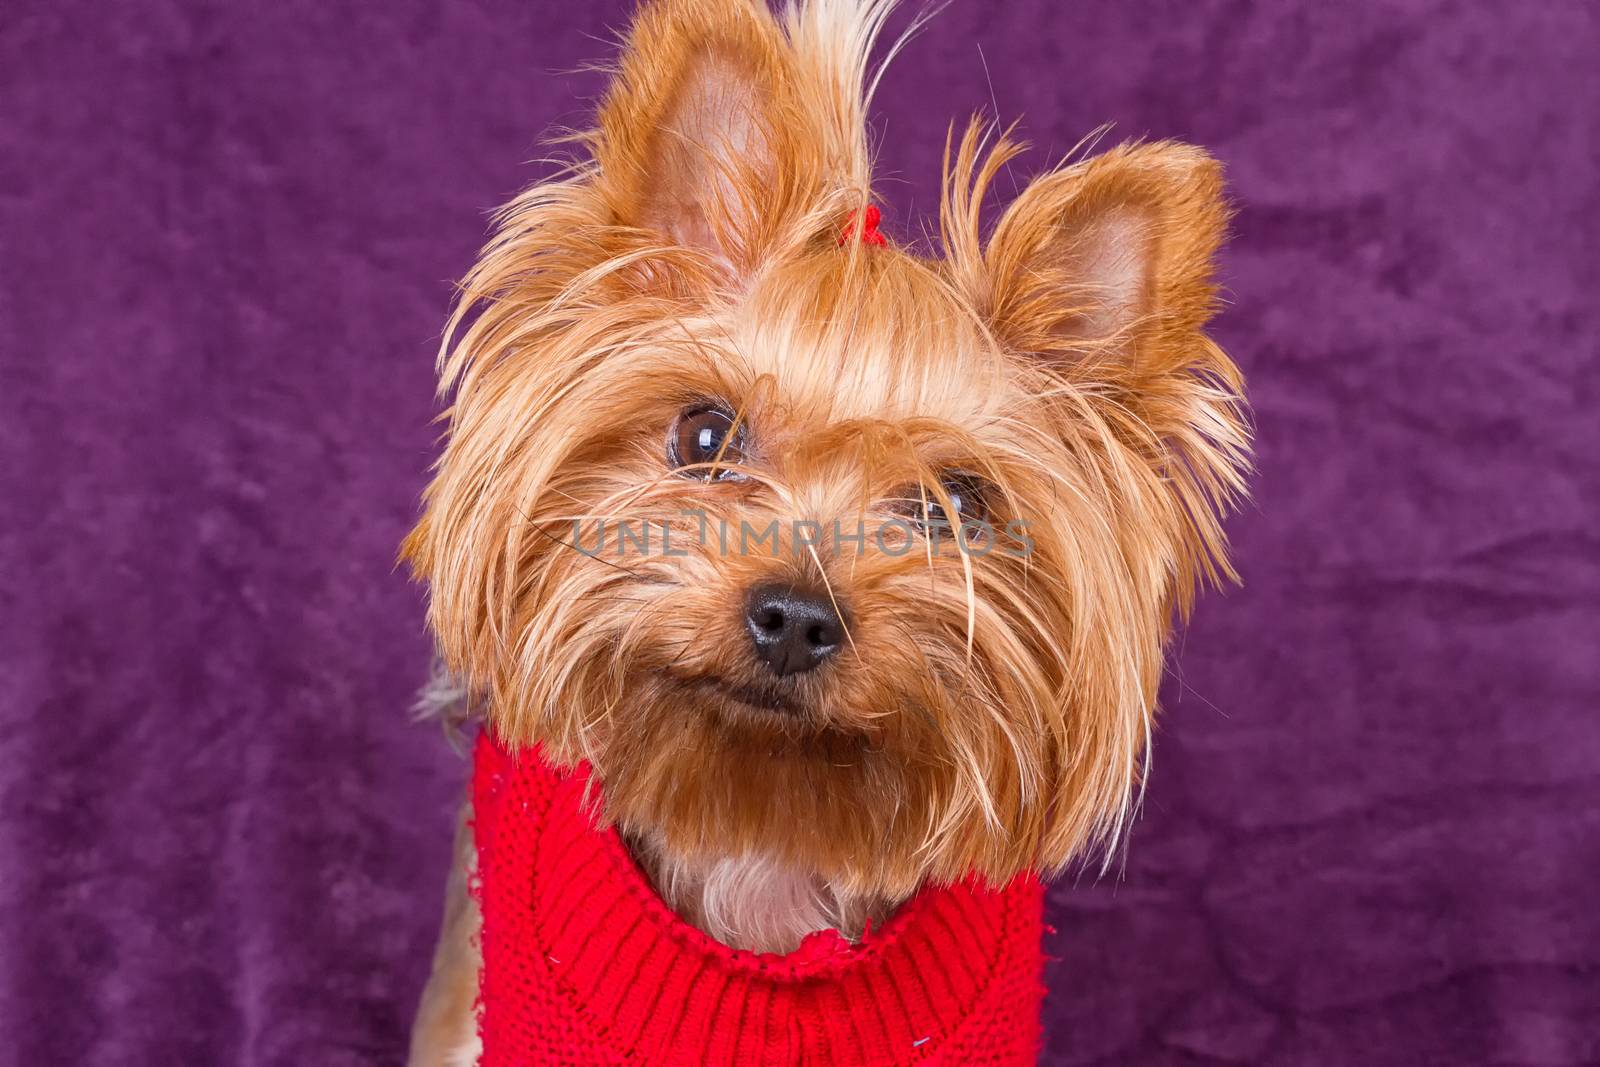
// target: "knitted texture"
[[584, 965]]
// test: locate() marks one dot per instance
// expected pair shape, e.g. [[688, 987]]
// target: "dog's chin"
[[708, 769]]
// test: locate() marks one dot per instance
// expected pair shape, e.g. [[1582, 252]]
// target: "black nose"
[[791, 631]]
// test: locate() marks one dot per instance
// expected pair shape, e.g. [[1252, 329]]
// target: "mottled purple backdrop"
[[227, 235]]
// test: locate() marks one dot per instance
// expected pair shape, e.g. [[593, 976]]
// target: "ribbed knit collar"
[[588, 923]]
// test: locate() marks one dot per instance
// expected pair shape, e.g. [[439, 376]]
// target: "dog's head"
[[811, 545]]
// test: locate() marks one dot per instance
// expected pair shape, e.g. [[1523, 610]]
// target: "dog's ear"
[[1109, 263], [1102, 274], [693, 144]]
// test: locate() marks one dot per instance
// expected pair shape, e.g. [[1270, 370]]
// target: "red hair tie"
[[869, 228]]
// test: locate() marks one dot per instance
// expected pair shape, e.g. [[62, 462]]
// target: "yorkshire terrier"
[[840, 569]]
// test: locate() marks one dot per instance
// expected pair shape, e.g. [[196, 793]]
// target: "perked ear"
[[1110, 261], [1102, 273], [691, 142]]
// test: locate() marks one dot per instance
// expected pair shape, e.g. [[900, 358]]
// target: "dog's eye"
[[966, 493], [706, 441], [968, 499]]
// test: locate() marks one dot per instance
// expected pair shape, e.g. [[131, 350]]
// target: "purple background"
[[226, 241]]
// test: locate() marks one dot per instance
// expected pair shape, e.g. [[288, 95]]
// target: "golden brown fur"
[[990, 713]]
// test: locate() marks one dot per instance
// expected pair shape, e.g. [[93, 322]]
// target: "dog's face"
[[811, 546]]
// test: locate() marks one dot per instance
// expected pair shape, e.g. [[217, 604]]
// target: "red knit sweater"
[[584, 965]]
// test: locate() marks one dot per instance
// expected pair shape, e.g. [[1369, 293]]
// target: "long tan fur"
[[990, 713]]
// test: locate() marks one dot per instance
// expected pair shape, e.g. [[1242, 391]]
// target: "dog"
[[925, 521]]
